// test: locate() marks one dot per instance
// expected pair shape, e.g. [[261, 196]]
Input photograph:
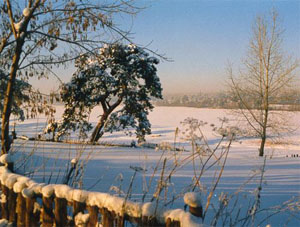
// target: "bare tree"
[[31, 31], [266, 75]]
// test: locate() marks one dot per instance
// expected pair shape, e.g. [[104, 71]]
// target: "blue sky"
[[201, 36]]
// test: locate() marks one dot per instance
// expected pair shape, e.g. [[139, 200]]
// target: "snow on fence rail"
[[27, 203]]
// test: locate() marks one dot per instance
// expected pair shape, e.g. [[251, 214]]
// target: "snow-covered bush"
[[27, 102], [52, 129], [21, 95]]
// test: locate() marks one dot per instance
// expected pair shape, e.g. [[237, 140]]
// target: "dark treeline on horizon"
[[223, 100]]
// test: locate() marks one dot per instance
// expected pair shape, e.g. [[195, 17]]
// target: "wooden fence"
[[27, 203]]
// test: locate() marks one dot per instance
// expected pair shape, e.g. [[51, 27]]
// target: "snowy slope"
[[111, 168]]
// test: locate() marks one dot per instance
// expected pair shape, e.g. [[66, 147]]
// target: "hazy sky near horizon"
[[201, 36]]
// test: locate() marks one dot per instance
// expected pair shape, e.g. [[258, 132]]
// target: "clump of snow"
[[11, 180], [174, 215], [133, 209], [69, 195], [185, 218], [48, 190], [79, 195], [36, 208], [26, 12], [3, 222], [189, 220], [114, 203], [6, 175], [6, 158], [81, 219], [23, 137], [37, 188], [30, 183], [19, 25], [3, 177], [28, 192], [3, 198], [74, 161], [92, 199], [96, 199], [192, 199], [153, 209], [19, 186], [62, 191], [23, 179], [3, 169], [26, 186], [148, 209]]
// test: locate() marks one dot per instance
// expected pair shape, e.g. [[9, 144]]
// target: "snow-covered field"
[[111, 168]]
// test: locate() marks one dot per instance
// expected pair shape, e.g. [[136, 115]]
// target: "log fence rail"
[[27, 203]]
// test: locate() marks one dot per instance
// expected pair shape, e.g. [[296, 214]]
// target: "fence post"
[[117, 220], [193, 200], [145, 221], [4, 203], [196, 211], [47, 216], [12, 202], [93, 220], [30, 218], [21, 210], [78, 207], [60, 212], [120, 221], [149, 221], [171, 223], [107, 219]]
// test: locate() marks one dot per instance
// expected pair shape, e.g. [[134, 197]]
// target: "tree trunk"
[[264, 134], [262, 146], [5, 141], [107, 110], [99, 129]]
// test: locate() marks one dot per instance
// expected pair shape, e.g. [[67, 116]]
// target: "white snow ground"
[[111, 168]]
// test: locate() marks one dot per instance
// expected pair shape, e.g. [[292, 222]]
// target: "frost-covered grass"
[[111, 169]]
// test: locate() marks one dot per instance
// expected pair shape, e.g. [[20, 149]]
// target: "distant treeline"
[[220, 100], [223, 100]]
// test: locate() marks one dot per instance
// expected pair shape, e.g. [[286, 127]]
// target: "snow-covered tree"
[[31, 32], [121, 75]]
